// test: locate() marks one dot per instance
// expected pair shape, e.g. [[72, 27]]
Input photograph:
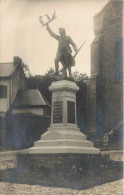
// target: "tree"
[[81, 80], [42, 82], [26, 70]]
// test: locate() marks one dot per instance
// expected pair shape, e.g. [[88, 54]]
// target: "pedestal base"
[[63, 136], [63, 140]]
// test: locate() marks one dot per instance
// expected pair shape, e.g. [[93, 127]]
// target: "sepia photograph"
[[61, 97]]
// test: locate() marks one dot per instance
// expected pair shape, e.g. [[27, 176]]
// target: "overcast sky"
[[22, 35]]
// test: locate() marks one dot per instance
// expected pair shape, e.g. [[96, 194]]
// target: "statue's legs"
[[69, 72], [64, 73], [56, 67], [57, 60]]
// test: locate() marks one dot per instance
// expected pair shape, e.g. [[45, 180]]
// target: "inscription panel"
[[57, 111], [71, 112]]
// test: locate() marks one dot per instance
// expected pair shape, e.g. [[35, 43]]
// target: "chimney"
[[17, 61]]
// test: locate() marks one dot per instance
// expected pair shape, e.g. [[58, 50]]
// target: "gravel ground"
[[104, 181], [113, 188]]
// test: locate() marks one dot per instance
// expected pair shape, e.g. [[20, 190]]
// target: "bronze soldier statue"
[[64, 51]]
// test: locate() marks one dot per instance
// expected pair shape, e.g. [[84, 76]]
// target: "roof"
[[30, 97], [7, 69]]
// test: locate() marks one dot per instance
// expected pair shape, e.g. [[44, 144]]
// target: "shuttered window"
[[3, 91]]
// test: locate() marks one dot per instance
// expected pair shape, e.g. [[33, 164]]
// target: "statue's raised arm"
[[51, 32]]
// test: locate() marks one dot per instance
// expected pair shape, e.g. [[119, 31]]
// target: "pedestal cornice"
[[64, 85]]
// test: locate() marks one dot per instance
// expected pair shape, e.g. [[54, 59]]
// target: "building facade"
[[24, 113], [105, 88], [12, 79]]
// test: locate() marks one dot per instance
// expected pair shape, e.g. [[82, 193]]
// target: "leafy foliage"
[[42, 82], [26, 70], [81, 80], [80, 77]]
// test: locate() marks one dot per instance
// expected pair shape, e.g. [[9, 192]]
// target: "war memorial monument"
[[63, 144]]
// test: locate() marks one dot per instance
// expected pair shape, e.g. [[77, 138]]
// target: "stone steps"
[[63, 149], [65, 142], [64, 134]]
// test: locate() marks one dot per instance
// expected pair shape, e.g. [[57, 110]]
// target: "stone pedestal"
[[63, 135]]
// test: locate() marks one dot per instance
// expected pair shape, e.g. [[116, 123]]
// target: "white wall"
[[38, 111]]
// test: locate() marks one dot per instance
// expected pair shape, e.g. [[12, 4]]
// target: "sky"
[[22, 35]]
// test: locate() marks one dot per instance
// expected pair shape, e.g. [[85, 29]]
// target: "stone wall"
[[113, 90], [108, 88], [91, 106]]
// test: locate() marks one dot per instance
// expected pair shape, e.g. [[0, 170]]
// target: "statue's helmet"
[[62, 30]]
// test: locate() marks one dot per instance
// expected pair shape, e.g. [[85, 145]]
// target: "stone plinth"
[[63, 135]]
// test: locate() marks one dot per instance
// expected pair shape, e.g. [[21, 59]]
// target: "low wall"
[[21, 130]]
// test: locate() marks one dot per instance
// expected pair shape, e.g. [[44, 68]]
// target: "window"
[[119, 60], [3, 91]]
